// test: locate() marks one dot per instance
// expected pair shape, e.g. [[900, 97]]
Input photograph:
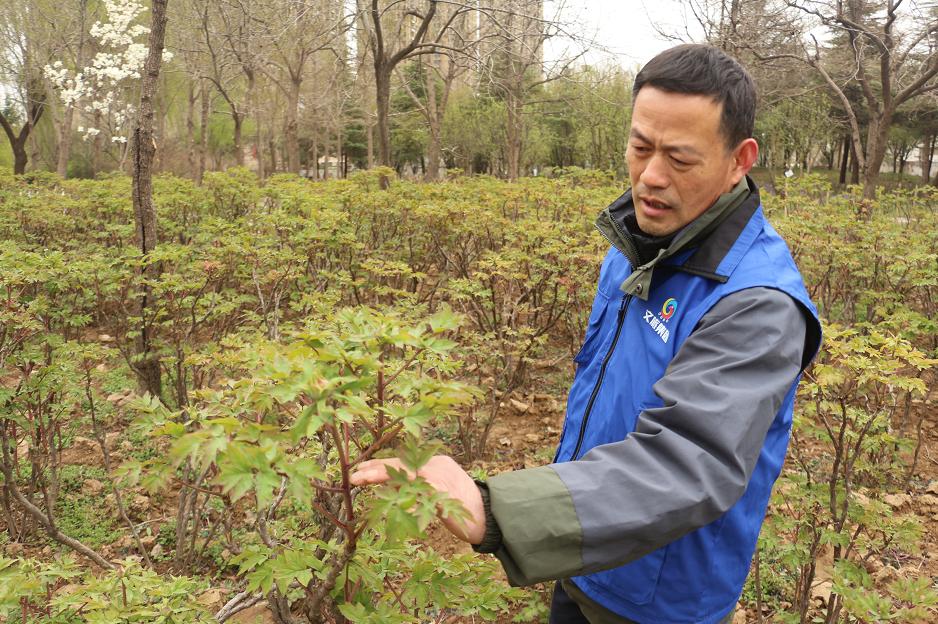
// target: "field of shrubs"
[[301, 328]]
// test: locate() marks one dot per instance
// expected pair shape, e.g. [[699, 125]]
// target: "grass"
[[6, 155], [889, 181], [82, 516]]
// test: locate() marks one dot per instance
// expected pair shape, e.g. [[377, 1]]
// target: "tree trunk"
[[383, 102], [65, 129], [204, 115], [18, 142], [190, 129], [291, 131], [65, 141], [238, 119], [147, 365], [272, 148], [339, 167], [513, 136], [854, 166], [97, 146], [875, 153], [20, 159], [434, 154], [35, 153], [926, 156], [434, 147], [326, 153], [255, 107], [845, 160], [314, 156]]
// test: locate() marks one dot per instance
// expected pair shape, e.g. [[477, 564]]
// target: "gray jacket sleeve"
[[685, 464]]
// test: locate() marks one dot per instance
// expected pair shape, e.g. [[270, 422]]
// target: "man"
[[679, 414]]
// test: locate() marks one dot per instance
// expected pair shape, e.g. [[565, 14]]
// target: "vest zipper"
[[602, 372]]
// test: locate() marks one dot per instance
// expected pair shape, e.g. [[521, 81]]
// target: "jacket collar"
[[712, 258], [701, 248]]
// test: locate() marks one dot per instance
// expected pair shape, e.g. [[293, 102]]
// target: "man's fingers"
[[370, 476], [373, 471], [446, 476]]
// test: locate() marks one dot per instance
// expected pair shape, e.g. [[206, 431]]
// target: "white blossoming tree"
[[105, 90]]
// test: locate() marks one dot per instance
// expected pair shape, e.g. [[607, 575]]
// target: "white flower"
[[104, 83]]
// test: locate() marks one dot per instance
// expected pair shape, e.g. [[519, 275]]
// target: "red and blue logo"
[[668, 309]]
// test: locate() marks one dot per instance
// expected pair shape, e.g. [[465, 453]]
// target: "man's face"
[[678, 160]]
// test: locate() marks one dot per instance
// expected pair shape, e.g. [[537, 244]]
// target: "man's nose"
[[656, 172]]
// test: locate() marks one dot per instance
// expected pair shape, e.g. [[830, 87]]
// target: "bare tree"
[[891, 67], [201, 66], [223, 71], [515, 67], [296, 31], [401, 30], [439, 72], [147, 366], [23, 54], [243, 42], [887, 50], [387, 51], [74, 44]]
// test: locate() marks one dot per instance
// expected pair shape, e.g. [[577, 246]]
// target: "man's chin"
[[655, 228]]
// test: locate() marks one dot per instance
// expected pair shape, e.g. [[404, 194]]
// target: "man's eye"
[[679, 162], [641, 149]]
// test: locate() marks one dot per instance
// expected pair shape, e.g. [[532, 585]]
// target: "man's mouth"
[[650, 203]]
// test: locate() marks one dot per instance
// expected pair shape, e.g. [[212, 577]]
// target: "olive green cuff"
[[492, 539], [541, 535]]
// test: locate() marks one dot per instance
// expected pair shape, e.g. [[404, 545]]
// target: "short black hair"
[[698, 69]]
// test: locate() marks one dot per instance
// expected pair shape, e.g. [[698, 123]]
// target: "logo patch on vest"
[[658, 322]]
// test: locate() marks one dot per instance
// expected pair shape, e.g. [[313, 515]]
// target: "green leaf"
[[236, 472], [414, 454], [294, 565], [250, 557]]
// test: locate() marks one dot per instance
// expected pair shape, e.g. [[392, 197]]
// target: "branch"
[[919, 85], [41, 516], [7, 128], [240, 602], [848, 108], [417, 38], [914, 43]]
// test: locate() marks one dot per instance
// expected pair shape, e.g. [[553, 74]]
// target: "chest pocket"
[[615, 268], [593, 330]]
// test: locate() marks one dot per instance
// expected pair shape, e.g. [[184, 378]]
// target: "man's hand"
[[448, 477]]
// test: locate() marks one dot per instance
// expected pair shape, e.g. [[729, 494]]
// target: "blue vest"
[[629, 344]]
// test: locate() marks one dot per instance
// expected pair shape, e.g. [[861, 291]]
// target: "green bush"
[[283, 311]]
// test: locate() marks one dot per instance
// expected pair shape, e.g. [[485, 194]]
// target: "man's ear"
[[744, 157]]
